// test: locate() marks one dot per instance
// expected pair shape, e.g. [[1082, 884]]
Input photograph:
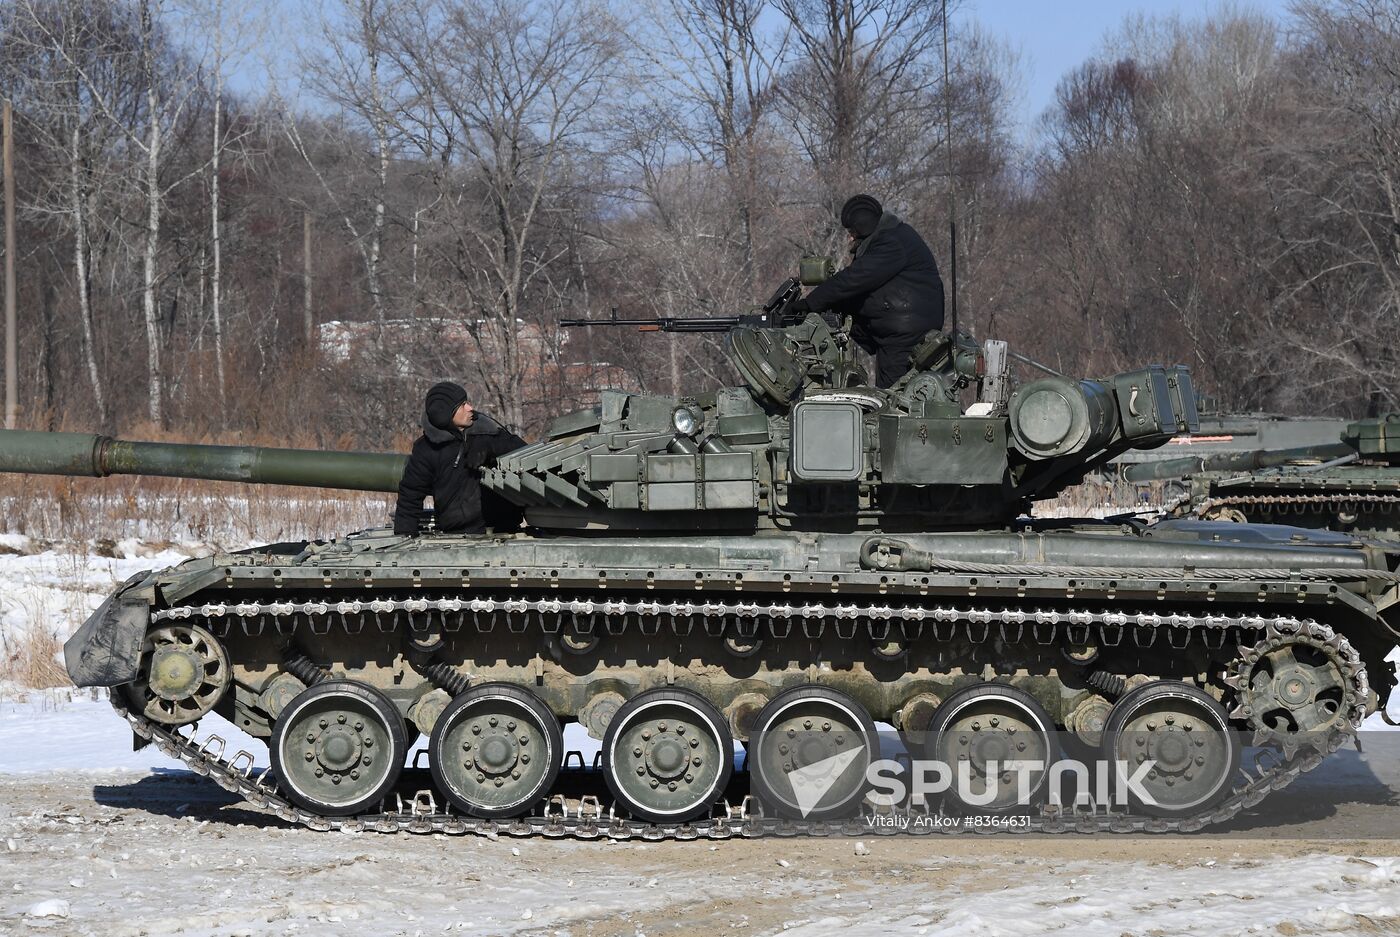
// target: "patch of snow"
[[54, 907], [1324, 893], [66, 730]]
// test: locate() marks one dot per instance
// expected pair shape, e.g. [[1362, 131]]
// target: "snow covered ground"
[[127, 854], [53, 587]]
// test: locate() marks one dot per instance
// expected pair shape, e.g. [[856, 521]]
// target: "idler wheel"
[[1185, 735], [496, 751], [980, 732], [809, 751], [1293, 689], [338, 748], [667, 756], [184, 672]]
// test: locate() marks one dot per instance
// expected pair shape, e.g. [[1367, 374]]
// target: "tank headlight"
[[686, 421]]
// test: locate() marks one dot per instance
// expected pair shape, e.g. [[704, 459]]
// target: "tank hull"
[[894, 625]]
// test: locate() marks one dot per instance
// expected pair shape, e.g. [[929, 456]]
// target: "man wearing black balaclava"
[[446, 463], [891, 287]]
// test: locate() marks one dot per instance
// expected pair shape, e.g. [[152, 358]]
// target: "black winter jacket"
[[447, 465], [891, 287]]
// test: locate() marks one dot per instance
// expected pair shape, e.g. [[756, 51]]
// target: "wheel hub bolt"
[[310, 756], [359, 727], [696, 761], [661, 727], [510, 726], [341, 719], [694, 743], [476, 728], [466, 746], [792, 733], [782, 749], [641, 770], [500, 782], [323, 724], [354, 775], [637, 752], [1151, 726], [493, 722], [1171, 720], [311, 736], [806, 723], [524, 740], [671, 786], [826, 727], [515, 775], [366, 760], [646, 736], [995, 722], [654, 783], [335, 779], [368, 742], [524, 759], [480, 778], [320, 773]]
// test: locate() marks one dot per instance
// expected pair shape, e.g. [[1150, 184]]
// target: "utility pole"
[[11, 347]]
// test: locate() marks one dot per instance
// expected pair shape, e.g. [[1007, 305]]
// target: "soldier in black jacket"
[[446, 462], [891, 287]]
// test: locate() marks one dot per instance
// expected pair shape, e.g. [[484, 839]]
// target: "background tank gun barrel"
[[1232, 462], [93, 455]]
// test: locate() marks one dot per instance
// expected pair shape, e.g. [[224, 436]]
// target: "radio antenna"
[[952, 202]]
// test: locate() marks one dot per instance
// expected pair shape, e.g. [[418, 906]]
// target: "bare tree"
[[505, 99]]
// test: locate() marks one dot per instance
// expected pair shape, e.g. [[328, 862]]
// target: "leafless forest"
[[448, 178]]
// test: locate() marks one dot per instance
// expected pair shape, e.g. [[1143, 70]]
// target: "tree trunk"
[[308, 317], [81, 273], [215, 245], [149, 306]]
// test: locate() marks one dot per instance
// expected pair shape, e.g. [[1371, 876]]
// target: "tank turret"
[[805, 443]]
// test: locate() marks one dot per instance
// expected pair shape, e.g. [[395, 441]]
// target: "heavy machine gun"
[[774, 314]]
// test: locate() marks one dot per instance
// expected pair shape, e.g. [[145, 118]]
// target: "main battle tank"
[[1351, 485], [780, 563]]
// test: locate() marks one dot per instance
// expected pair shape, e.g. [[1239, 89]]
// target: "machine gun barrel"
[[671, 323], [88, 454]]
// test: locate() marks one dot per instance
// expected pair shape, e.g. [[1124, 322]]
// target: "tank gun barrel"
[[97, 456], [1231, 462]]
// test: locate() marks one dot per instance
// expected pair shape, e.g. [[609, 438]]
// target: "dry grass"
[[32, 660], [227, 513]]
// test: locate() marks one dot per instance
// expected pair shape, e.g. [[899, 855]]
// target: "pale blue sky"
[[1049, 36], [1053, 36]]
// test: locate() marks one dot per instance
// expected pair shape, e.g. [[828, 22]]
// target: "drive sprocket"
[[1298, 686]]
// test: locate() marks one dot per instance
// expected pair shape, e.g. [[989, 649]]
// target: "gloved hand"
[[800, 306]]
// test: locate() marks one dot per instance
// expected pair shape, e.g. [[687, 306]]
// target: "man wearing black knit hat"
[[446, 464], [891, 287]]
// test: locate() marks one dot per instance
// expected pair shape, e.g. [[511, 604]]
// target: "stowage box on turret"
[[779, 563]]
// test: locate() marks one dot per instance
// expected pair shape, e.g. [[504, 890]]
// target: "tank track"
[[1266, 770], [1333, 503]]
